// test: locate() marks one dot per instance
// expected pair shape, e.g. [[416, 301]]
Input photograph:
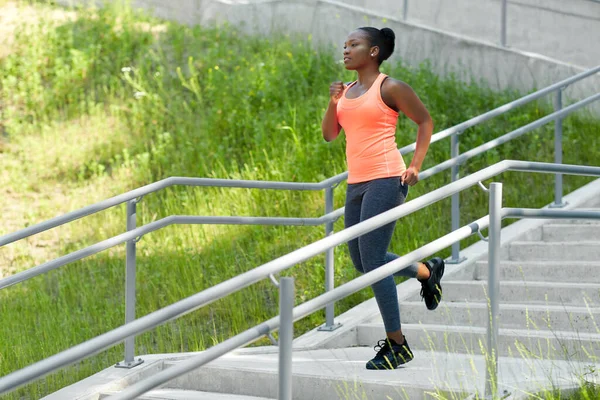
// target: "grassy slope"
[[110, 101]]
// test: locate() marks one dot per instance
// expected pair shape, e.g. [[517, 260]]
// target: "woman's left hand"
[[410, 176]]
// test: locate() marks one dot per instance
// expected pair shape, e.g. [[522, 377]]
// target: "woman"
[[367, 109]]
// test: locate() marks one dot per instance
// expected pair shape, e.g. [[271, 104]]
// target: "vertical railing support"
[[330, 325], [503, 12], [454, 152], [405, 10], [495, 210], [558, 153], [286, 336], [129, 361]]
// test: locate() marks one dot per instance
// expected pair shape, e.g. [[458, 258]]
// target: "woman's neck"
[[367, 76]]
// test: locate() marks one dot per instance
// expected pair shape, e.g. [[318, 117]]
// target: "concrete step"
[[341, 374], [522, 343], [179, 394], [573, 294], [571, 232], [543, 271], [328, 374], [560, 251], [515, 316], [575, 221]]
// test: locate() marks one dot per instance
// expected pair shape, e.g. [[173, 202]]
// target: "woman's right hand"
[[336, 90]]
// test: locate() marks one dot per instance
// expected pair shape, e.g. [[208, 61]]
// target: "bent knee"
[[359, 267]]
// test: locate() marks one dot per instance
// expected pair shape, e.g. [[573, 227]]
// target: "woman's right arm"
[[330, 125]]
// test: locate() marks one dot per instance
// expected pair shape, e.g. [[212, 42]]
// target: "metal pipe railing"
[[558, 150], [151, 188], [301, 311], [505, 138], [508, 212], [130, 273], [353, 286], [239, 282], [495, 226], [286, 337], [330, 325], [154, 226]]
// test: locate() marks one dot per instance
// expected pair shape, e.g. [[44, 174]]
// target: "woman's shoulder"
[[394, 86], [391, 82]]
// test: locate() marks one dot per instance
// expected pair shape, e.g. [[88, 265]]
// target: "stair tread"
[[323, 372], [183, 394], [509, 306], [537, 263], [528, 283], [585, 226], [541, 242], [524, 333], [180, 394]]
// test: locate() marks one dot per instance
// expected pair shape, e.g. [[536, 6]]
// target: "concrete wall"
[[329, 21], [565, 30]]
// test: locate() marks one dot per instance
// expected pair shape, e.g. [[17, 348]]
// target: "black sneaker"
[[390, 354], [431, 289]]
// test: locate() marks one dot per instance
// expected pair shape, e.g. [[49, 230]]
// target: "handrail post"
[[130, 267], [495, 210], [286, 337], [455, 152], [330, 325], [503, 13], [558, 152], [405, 10]]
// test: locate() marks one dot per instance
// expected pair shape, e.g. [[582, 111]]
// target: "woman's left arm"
[[407, 101]]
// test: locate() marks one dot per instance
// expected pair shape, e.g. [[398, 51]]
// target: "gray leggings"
[[369, 251]]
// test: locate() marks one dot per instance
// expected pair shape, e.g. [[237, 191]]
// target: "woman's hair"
[[383, 38]]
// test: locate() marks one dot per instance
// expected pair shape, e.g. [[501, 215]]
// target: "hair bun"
[[388, 33]]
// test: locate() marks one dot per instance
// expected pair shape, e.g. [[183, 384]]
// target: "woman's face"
[[357, 50]]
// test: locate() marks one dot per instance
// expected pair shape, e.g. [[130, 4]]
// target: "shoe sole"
[[387, 368]]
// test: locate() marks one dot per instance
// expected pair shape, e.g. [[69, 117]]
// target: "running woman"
[[378, 179]]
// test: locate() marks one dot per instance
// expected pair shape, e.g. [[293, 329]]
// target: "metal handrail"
[[313, 305], [154, 226], [241, 281], [154, 187], [301, 311], [506, 137]]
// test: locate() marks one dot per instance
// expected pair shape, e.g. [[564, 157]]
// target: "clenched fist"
[[336, 90]]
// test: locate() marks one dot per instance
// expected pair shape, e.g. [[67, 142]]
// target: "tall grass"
[[113, 99]]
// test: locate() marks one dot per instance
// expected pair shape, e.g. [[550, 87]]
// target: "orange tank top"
[[370, 128]]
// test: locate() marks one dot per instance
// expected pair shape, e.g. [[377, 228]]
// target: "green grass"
[[113, 100], [587, 391]]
